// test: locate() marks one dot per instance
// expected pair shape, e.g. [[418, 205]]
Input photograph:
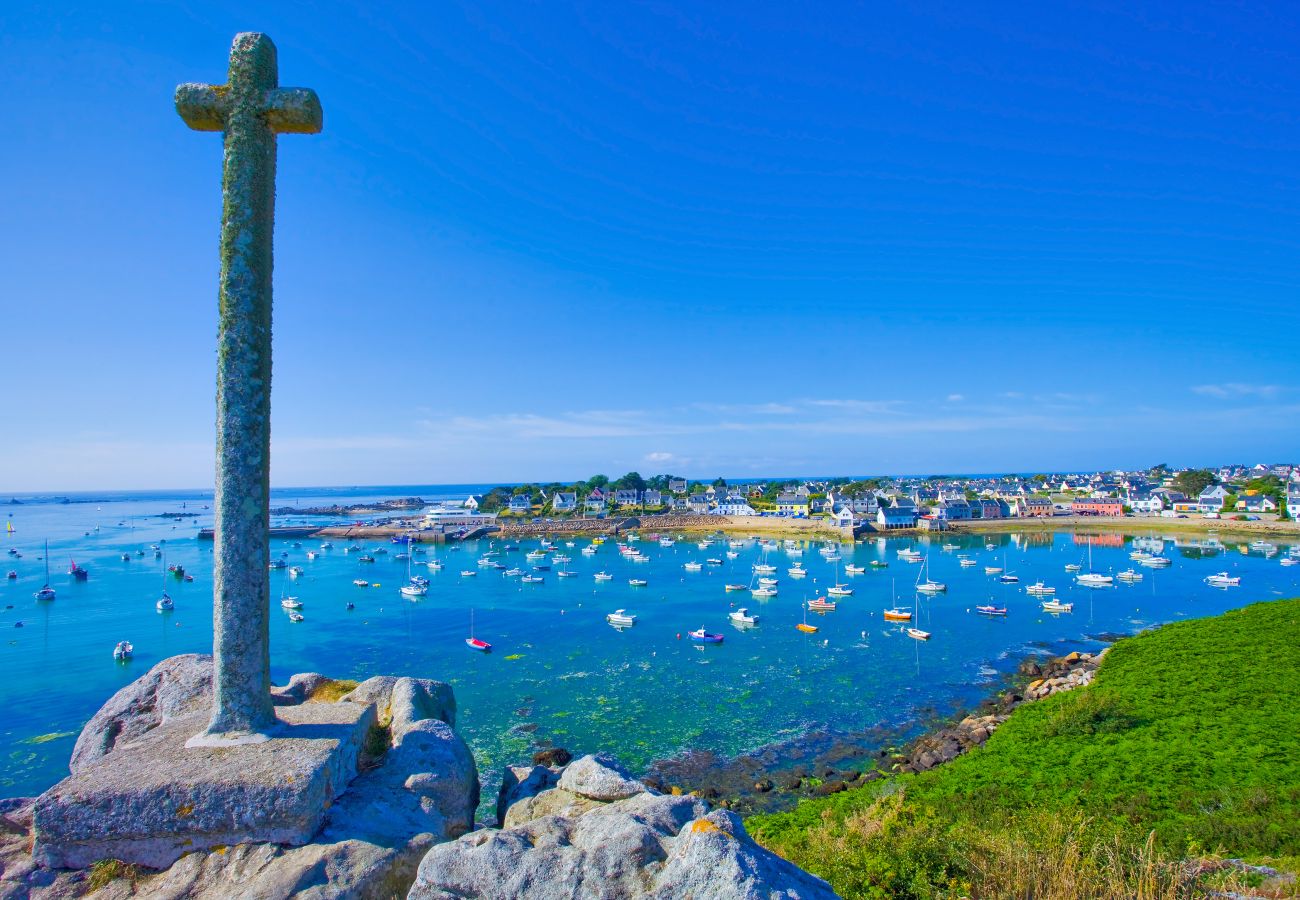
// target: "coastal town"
[[1238, 493]]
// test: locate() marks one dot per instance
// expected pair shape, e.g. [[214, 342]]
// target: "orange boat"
[[898, 614]]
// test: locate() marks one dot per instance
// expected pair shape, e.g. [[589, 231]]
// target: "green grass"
[[1187, 743]]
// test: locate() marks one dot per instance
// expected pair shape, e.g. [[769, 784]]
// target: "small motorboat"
[[991, 610], [992, 570], [1038, 589], [763, 592], [705, 637], [468, 573], [361, 582], [350, 605], [637, 582], [565, 573], [1222, 579], [879, 564], [291, 603], [931, 587], [532, 579], [126, 557], [851, 569], [767, 582], [433, 565], [296, 616], [603, 576], [588, 551], [274, 564], [1056, 606], [735, 587], [1073, 567], [909, 554], [918, 634], [1129, 575], [12, 575], [693, 567], [365, 558], [621, 618], [742, 617], [296, 571], [821, 604], [1157, 562], [967, 563], [839, 590], [165, 603], [123, 650], [898, 614], [1094, 580], [1008, 578], [414, 590], [764, 569], [312, 554], [514, 573], [713, 561]]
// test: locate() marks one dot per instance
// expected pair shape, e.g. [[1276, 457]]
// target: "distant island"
[[403, 503]]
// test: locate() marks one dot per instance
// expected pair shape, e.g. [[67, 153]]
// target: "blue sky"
[[538, 241]]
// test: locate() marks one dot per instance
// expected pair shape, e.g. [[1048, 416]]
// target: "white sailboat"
[[1093, 579], [46, 592], [928, 586], [839, 590]]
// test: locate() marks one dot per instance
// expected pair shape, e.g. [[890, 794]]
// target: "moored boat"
[[1057, 606], [821, 604], [123, 650], [918, 634], [742, 616], [621, 618], [991, 610], [1222, 579], [705, 637]]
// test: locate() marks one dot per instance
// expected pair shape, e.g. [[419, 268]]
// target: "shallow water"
[[558, 672]]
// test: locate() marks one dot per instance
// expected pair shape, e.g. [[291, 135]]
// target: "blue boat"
[[705, 637]]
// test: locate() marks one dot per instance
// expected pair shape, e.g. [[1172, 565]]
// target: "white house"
[[564, 501], [892, 518], [677, 485], [1211, 499], [627, 497], [521, 503], [1146, 503], [841, 514], [652, 498], [472, 501], [699, 503], [596, 500], [734, 506]]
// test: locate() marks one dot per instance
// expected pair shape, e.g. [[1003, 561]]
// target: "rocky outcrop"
[[420, 788], [176, 687], [1050, 677], [638, 844]]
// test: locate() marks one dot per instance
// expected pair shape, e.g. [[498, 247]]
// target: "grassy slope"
[[1191, 732]]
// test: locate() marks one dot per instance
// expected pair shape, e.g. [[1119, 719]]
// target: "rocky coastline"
[[822, 762], [402, 826]]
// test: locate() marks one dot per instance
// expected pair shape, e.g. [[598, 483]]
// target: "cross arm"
[[293, 111], [203, 106]]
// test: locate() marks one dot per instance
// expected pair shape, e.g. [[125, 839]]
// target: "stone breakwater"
[[669, 522]]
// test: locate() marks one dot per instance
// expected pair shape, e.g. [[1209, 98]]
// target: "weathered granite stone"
[[299, 688], [250, 109], [520, 783], [376, 691], [428, 784], [553, 802], [152, 800], [176, 687], [599, 777], [416, 699], [646, 846]]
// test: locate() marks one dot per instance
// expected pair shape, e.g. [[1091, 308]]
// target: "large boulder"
[[176, 687], [404, 700], [599, 777], [646, 846]]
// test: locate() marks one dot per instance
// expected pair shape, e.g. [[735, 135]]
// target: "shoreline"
[[777, 776]]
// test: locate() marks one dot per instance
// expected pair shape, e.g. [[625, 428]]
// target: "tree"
[[1268, 485], [597, 481], [719, 482], [1160, 469], [1192, 481], [630, 481], [1040, 478]]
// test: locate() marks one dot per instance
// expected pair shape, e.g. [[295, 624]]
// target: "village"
[[1256, 493]]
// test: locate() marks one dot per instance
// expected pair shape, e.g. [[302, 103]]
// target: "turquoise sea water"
[[558, 672]]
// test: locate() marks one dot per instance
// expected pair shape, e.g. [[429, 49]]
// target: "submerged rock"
[[599, 778]]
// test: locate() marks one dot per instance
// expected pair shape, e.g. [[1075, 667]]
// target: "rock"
[[599, 778], [522, 783], [763, 786], [1030, 667], [427, 784], [554, 802], [155, 800], [419, 699], [299, 688], [552, 756], [376, 690], [178, 686], [645, 846]]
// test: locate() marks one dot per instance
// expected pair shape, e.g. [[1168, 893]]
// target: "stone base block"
[[151, 800]]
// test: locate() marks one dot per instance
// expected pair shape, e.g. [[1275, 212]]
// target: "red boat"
[[76, 571], [476, 644]]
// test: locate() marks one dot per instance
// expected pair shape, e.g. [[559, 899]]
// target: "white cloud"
[[1233, 389], [659, 456], [956, 398]]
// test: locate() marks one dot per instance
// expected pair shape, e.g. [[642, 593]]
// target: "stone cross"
[[251, 109]]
